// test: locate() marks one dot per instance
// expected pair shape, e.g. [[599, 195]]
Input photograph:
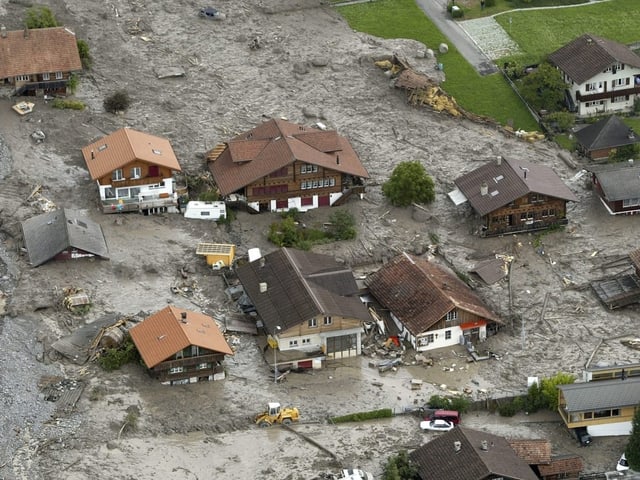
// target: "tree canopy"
[[544, 88], [632, 452], [40, 17], [409, 183]]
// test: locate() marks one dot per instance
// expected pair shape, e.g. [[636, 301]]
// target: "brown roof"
[[562, 464], [635, 258], [41, 50], [508, 181], [163, 334], [277, 143], [124, 146], [533, 451], [300, 286], [420, 293], [588, 55], [439, 458]]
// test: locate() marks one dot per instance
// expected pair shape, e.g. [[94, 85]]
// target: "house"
[[617, 186], [602, 76], [511, 196], [134, 172], [218, 255], [561, 467], [466, 454], [62, 235], [180, 346], [39, 61], [279, 165], [431, 307], [309, 306], [599, 139], [605, 407]]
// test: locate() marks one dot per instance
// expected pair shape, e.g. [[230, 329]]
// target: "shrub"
[[67, 104], [114, 358], [40, 17], [563, 120], [401, 467], [362, 416], [343, 225], [72, 83], [118, 101], [85, 56], [460, 404], [490, 3], [436, 401], [508, 409], [209, 196], [549, 388]]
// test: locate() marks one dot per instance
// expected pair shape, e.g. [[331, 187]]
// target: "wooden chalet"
[[308, 304], [279, 165], [512, 196], [598, 140], [617, 186], [620, 290], [62, 235], [431, 307], [134, 171], [180, 346], [38, 61]]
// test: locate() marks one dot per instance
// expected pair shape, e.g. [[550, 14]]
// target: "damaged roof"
[[588, 55], [48, 50], [125, 146], [298, 286], [49, 234], [276, 144], [160, 336], [609, 132], [480, 455], [562, 464], [420, 293], [507, 180]]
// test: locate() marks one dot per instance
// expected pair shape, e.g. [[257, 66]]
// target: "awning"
[[470, 325], [457, 197]]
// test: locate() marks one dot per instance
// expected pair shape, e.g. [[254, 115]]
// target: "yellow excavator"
[[277, 414]]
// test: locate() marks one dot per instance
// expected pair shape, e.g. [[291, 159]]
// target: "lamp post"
[[275, 364]]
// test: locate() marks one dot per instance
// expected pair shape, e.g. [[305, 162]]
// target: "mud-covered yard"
[[311, 67]]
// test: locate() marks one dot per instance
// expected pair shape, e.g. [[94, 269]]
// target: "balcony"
[[615, 92]]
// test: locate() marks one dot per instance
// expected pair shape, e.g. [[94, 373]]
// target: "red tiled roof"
[[124, 146], [509, 180], [571, 464], [420, 293], [277, 143], [41, 50], [588, 55], [533, 451], [163, 334]]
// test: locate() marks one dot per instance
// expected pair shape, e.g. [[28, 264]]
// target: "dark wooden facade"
[[616, 207], [528, 213], [191, 363]]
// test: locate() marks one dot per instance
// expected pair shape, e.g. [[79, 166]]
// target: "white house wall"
[[610, 429], [150, 190]]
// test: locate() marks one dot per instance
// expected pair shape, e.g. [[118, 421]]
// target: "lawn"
[[477, 94], [540, 32]]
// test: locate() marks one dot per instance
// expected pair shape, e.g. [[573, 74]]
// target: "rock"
[[319, 62], [301, 68], [443, 48]]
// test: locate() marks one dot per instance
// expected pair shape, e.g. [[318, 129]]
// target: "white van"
[[206, 210]]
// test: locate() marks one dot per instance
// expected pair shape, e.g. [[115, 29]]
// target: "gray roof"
[[588, 55], [598, 395], [619, 181], [609, 132], [300, 286], [508, 181], [46, 235], [439, 459]]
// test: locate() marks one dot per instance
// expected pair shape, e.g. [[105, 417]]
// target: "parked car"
[[623, 464], [582, 436], [437, 425]]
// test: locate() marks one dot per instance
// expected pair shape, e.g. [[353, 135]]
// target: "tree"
[[400, 467], [343, 225], [40, 17], [624, 153], [409, 183], [118, 101], [632, 452], [544, 88], [549, 388]]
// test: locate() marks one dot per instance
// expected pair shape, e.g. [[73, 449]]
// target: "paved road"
[[436, 10]]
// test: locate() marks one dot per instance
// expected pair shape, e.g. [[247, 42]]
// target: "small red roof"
[[166, 332]]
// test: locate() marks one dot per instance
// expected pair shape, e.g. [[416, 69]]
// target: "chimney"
[[457, 446], [183, 317], [262, 262], [263, 287], [93, 155], [525, 170], [484, 189], [499, 160], [337, 159], [26, 32], [3, 31], [484, 446]]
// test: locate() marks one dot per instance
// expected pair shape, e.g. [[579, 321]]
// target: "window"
[[134, 192], [116, 175], [306, 201], [618, 82], [293, 343], [552, 212], [23, 78], [136, 172], [332, 182], [327, 321], [306, 341], [594, 86], [430, 338], [620, 98], [447, 334], [588, 415], [313, 322], [452, 315], [174, 370], [46, 76], [122, 193], [59, 76], [631, 202], [306, 168], [109, 193], [203, 366], [205, 213]]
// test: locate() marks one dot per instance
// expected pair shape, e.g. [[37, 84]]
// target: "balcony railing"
[[615, 92]]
